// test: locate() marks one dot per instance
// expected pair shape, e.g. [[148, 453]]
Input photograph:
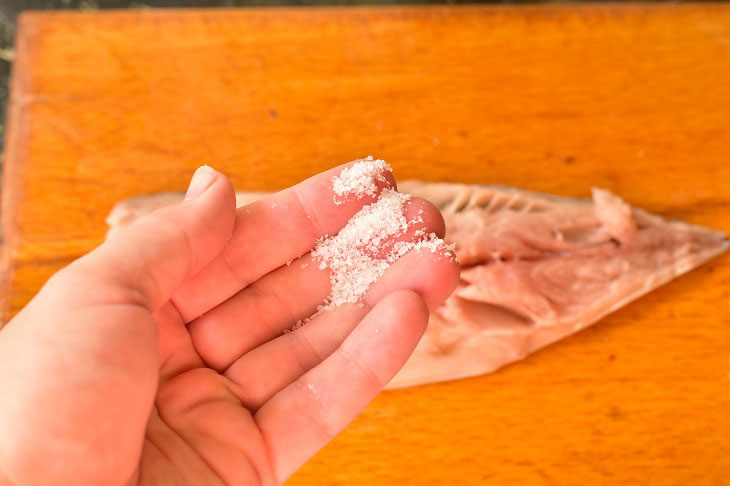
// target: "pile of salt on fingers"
[[367, 245]]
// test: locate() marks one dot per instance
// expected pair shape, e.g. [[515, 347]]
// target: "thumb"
[[151, 258], [80, 362]]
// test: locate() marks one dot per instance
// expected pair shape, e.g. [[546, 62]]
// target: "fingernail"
[[202, 180]]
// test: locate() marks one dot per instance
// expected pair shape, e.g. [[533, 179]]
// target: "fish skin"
[[535, 268]]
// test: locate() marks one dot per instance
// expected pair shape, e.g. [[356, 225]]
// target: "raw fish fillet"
[[537, 268], [534, 268]]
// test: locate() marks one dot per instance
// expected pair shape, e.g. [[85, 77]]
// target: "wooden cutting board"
[[635, 98]]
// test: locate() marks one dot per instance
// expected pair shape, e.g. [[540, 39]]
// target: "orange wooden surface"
[[634, 98]]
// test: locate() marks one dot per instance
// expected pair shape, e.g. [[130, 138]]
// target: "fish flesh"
[[535, 268]]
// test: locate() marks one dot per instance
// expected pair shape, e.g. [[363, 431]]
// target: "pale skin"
[[161, 358]]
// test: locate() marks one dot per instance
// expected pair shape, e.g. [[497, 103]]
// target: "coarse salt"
[[365, 247], [360, 179], [354, 261]]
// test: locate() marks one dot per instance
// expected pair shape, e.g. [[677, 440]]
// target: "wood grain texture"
[[634, 98]]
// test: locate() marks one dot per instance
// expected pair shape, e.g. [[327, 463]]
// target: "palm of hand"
[[175, 350], [199, 431]]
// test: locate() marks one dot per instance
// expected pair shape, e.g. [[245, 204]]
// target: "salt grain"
[[360, 179], [354, 262], [365, 248]]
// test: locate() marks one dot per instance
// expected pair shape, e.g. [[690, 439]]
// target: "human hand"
[[159, 358]]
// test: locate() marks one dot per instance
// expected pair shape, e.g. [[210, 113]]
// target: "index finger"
[[270, 232]]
